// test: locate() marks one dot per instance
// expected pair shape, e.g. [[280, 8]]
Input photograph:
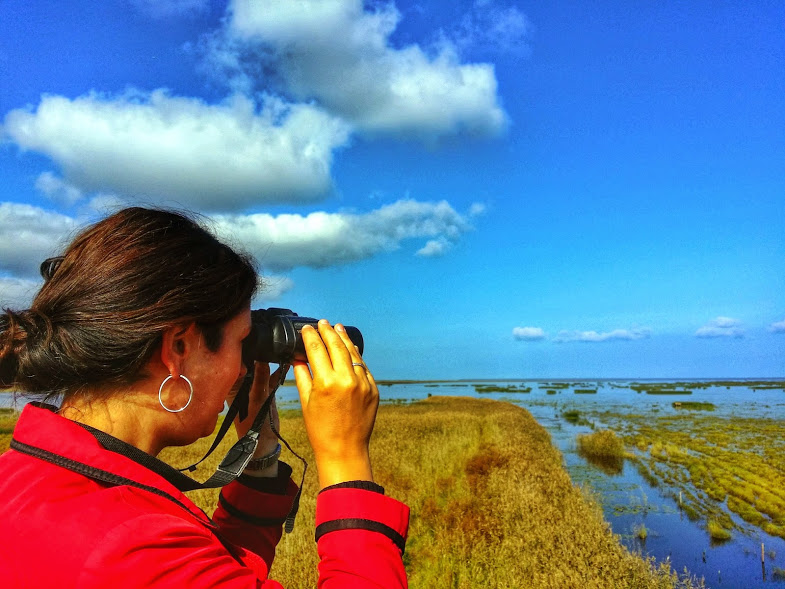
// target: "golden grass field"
[[491, 504]]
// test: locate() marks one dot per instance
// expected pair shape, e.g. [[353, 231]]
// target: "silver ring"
[[359, 364]]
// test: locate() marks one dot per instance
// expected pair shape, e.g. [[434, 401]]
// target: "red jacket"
[[62, 529]]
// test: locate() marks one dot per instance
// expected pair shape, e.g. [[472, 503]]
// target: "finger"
[[372, 382], [303, 380], [339, 354], [315, 349], [354, 352]]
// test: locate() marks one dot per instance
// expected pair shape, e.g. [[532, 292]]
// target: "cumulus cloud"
[[169, 8], [323, 239], [528, 333], [778, 327], [489, 26], [29, 235], [58, 189], [17, 293], [721, 327], [339, 53], [434, 248], [216, 157], [593, 336]]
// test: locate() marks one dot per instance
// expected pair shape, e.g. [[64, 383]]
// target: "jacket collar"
[[40, 426]]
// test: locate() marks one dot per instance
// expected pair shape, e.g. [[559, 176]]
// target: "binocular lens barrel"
[[276, 336]]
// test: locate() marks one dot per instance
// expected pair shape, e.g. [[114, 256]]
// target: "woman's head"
[[104, 306]]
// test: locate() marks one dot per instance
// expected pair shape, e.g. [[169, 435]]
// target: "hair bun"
[[19, 332], [13, 337]]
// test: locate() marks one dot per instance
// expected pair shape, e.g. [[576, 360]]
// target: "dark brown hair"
[[105, 304]]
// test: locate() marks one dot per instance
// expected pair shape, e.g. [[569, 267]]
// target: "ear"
[[177, 344]]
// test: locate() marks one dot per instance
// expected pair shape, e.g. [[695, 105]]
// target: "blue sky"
[[486, 188]]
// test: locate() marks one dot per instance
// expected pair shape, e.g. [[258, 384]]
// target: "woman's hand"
[[263, 383], [339, 402]]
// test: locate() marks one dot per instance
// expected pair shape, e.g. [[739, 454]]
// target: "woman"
[[139, 329]]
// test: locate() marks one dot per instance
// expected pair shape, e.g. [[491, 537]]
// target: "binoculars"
[[276, 336]]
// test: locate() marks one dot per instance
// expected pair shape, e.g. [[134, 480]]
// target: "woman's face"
[[213, 374]]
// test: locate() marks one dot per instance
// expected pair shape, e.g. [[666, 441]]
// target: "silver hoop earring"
[[190, 396]]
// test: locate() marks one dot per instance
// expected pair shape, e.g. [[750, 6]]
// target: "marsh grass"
[[694, 405], [641, 532], [604, 449], [721, 465], [491, 504], [492, 388], [717, 532], [575, 417]]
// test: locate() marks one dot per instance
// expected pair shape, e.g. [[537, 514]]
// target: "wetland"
[[691, 473]]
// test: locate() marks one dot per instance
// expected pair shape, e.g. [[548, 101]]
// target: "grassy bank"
[[491, 504]]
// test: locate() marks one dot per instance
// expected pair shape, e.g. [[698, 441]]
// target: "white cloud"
[[58, 189], [528, 333], [323, 239], [17, 293], [29, 235], [593, 336], [216, 157], [339, 53], [490, 27], [168, 8], [477, 209], [434, 248], [721, 327], [778, 327]]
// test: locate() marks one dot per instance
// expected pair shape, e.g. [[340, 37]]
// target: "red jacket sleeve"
[[361, 536], [254, 519]]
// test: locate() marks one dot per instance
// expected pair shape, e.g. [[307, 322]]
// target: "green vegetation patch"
[[585, 391], [556, 385], [716, 465], [604, 449], [717, 532], [694, 405], [492, 388], [575, 417]]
